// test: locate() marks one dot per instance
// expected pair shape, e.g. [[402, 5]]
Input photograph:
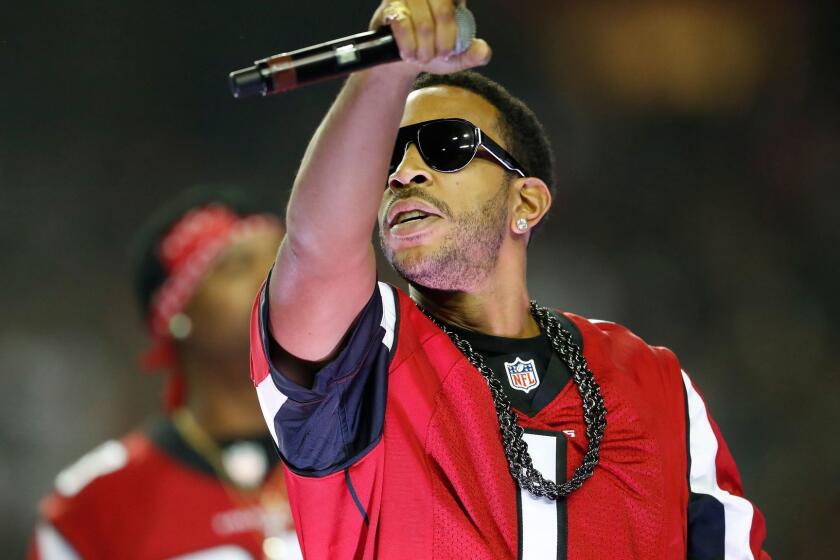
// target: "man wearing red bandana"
[[461, 419], [202, 481]]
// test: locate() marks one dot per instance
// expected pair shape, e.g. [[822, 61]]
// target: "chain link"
[[516, 449]]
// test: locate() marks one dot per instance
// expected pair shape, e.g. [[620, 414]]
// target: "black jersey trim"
[[355, 497], [569, 325]]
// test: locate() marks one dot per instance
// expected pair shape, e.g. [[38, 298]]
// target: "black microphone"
[[291, 70]]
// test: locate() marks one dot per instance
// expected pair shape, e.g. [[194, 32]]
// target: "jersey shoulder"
[[110, 474], [100, 491], [413, 327], [616, 345]]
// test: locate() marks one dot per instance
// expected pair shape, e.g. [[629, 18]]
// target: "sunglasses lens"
[[403, 138], [447, 145]]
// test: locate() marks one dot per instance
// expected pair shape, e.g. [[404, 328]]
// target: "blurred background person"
[[201, 478]]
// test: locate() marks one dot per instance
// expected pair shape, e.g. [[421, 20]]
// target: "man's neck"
[[224, 403], [499, 307]]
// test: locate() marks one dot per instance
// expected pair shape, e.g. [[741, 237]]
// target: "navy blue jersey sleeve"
[[324, 429]]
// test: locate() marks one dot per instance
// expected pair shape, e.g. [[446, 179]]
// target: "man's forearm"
[[336, 196], [326, 267]]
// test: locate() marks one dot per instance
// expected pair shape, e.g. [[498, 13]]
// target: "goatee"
[[466, 255]]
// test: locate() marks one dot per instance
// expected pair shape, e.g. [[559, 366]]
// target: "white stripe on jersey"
[[108, 457], [539, 515], [271, 399], [51, 545], [389, 313], [738, 512]]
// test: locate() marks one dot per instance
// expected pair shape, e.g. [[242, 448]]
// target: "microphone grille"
[[465, 21]]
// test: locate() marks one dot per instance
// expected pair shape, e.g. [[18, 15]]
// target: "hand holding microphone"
[[437, 35], [433, 36]]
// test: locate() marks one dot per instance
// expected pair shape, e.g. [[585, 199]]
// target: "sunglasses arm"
[[499, 153]]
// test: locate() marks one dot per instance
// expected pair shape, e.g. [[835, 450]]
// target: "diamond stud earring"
[[521, 224]]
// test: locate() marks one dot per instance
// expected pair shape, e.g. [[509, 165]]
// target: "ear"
[[532, 199]]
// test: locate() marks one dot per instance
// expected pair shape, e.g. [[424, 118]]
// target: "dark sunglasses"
[[449, 145]]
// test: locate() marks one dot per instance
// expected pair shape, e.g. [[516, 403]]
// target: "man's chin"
[[432, 274], [408, 263]]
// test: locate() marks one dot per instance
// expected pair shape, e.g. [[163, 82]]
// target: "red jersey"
[[395, 452], [150, 496]]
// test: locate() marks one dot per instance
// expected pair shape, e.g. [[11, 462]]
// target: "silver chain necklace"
[[516, 449]]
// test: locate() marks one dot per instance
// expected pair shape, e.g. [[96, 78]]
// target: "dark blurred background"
[[698, 151]]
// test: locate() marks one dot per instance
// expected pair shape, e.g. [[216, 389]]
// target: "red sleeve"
[[63, 532], [330, 435], [721, 522], [77, 519], [48, 543], [337, 516]]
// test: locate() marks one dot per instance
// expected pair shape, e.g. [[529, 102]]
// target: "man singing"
[[461, 420]]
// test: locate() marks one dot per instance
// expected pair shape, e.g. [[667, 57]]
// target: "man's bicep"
[[314, 304]]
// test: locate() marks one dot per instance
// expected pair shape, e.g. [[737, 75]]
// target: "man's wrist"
[[397, 74]]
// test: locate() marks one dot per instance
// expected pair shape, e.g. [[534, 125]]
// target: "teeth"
[[413, 215]]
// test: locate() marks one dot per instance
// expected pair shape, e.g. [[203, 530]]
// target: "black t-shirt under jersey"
[[501, 354]]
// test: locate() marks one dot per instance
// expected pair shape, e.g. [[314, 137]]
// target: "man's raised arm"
[[325, 269]]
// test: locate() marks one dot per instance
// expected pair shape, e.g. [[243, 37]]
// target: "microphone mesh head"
[[465, 21]]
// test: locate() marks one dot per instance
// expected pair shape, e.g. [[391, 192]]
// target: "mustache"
[[421, 194]]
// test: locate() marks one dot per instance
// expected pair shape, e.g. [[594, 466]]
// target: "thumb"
[[377, 20], [478, 54]]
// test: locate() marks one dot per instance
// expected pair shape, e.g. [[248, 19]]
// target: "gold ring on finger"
[[395, 11]]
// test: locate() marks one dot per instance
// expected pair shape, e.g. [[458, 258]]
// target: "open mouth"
[[412, 216], [409, 214]]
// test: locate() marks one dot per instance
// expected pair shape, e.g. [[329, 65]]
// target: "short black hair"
[[144, 254], [521, 130]]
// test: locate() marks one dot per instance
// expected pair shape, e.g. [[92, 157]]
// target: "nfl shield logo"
[[522, 375]]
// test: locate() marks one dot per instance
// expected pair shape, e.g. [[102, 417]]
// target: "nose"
[[411, 170]]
